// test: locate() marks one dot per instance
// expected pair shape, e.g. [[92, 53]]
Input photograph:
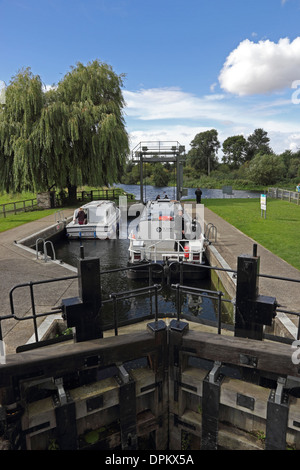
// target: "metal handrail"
[[34, 315], [45, 242], [150, 289], [210, 227]]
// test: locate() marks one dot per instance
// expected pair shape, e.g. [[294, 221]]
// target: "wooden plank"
[[261, 355], [62, 359], [231, 388], [108, 389]]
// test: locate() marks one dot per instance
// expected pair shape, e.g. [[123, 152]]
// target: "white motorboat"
[[167, 235], [97, 219]]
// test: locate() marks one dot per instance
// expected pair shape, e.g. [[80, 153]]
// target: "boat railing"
[[178, 253], [151, 250]]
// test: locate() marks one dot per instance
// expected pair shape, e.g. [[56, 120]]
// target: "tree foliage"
[[258, 142], [266, 169], [160, 175], [235, 151], [19, 118], [73, 134], [203, 153]]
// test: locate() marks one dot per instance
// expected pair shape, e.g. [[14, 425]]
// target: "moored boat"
[[167, 236], [96, 219]]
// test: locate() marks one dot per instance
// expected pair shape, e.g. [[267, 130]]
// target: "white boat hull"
[[102, 222]]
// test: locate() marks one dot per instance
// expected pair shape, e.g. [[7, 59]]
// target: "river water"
[[113, 254], [150, 192]]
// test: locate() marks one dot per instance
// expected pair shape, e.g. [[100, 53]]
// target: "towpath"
[[18, 266]]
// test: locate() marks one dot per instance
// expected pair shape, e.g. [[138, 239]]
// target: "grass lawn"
[[12, 220], [279, 232]]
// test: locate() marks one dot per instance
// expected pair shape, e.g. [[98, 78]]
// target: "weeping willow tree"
[[72, 135], [20, 155], [82, 127]]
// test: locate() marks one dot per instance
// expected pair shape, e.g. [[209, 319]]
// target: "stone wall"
[[46, 200]]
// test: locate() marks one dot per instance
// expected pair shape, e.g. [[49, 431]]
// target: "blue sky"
[[190, 65]]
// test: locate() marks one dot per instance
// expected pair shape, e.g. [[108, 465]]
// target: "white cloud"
[[213, 86], [49, 87], [170, 114], [173, 103], [294, 142], [263, 67]]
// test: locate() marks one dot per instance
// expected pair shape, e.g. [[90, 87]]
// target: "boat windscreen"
[[162, 212]]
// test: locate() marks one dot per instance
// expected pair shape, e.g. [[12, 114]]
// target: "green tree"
[[160, 175], [266, 169], [235, 151], [82, 128], [20, 156], [203, 153], [73, 134], [258, 142]]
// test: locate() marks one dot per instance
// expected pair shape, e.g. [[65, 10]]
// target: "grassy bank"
[[13, 221], [279, 232]]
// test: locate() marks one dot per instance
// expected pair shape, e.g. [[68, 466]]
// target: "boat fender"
[[186, 251], [174, 267], [166, 270]]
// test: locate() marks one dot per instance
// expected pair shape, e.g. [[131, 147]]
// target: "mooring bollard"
[[253, 311], [83, 312]]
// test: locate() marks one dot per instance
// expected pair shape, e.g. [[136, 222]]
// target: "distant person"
[[298, 188], [157, 197], [81, 216], [198, 193], [166, 196]]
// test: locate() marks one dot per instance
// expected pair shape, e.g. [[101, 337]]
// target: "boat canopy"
[[161, 210], [99, 211]]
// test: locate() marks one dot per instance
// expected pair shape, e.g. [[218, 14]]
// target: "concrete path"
[[18, 266]]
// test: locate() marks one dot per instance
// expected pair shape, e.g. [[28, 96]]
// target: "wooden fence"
[[18, 206], [82, 196], [284, 194], [110, 193]]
